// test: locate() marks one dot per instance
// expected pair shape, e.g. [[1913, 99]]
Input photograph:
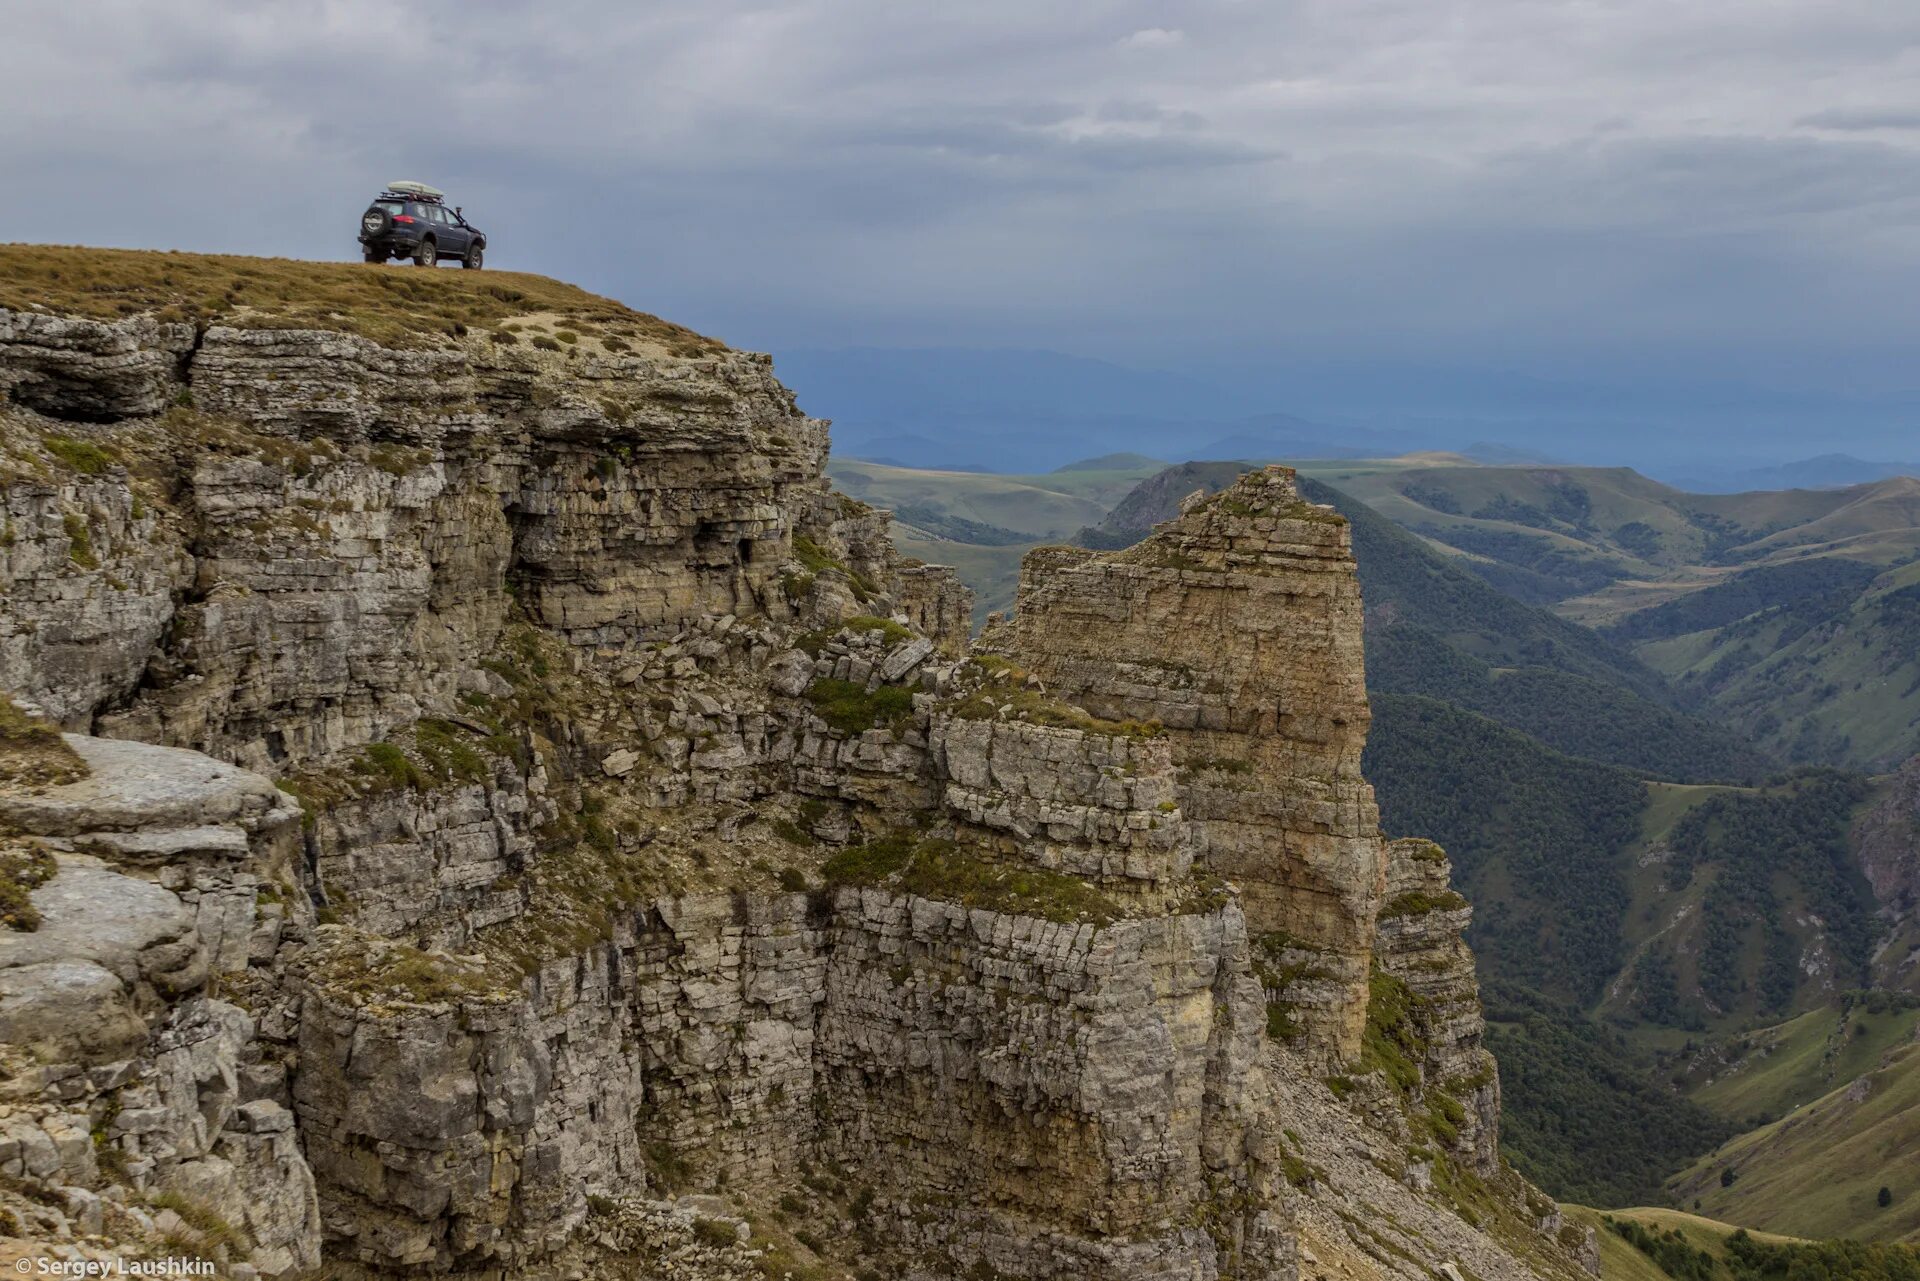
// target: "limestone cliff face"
[[344, 527], [653, 873], [1427, 969], [1237, 628], [124, 1069]]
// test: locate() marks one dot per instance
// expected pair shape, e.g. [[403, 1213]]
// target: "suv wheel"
[[427, 254], [474, 257]]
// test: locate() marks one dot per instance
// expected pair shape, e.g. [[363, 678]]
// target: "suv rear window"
[[391, 206]]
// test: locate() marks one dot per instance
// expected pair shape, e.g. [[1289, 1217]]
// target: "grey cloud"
[[1382, 172]]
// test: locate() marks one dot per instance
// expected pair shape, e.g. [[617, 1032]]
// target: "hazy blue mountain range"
[[1022, 410], [1032, 411], [1826, 471]]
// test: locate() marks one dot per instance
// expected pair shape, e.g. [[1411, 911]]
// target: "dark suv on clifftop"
[[412, 220]]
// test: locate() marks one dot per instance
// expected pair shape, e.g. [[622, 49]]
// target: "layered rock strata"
[[653, 870], [133, 1092], [1425, 963], [1237, 628]]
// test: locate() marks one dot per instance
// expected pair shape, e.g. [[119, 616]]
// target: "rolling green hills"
[[1757, 1077], [1830, 677], [980, 506], [1653, 1244], [1792, 616], [1817, 1171], [1566, 528]]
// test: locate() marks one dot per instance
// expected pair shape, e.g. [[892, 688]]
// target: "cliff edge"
[[473, 801]]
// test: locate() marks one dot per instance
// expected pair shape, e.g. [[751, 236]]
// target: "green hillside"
[[1156, 498], [1556, 532], [1829, 676], [1581, 1116], [1544, 534], [982, 523], [1817, 1172], [1744, 904], [1130, 463], [1408, 581], [992, 572], [1436, 630], [1652, 1244], [1533, 834], [1822, 583], [1757, 1077], [1579, 715]]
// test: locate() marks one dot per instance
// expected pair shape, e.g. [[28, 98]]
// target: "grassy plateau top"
[[398, 307]]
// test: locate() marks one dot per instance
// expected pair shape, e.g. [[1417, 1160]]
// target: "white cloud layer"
[[1479, 176]]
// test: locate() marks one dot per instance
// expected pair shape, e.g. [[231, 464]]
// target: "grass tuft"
[[941, 869], [82, 455], [853, 709], [32, 753], [24, 868]]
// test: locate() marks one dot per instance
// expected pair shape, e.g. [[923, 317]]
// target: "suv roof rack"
[[414, 191]]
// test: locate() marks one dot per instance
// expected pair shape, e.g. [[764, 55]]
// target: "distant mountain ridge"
[[1793, 615], [1825, 471], [1022, 411]]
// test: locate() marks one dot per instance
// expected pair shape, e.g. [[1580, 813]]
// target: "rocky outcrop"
[[654, 878], [1237, 629], [79, 370], [1424, 964], [139, 1107], [1095, 805]]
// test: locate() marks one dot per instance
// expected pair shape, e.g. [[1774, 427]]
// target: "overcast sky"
[[1529, 184]]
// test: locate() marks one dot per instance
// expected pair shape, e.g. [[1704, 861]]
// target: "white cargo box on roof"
[[416, 189]]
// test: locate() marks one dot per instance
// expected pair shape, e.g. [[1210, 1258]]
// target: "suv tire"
[[474, 257], [427, 254]]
